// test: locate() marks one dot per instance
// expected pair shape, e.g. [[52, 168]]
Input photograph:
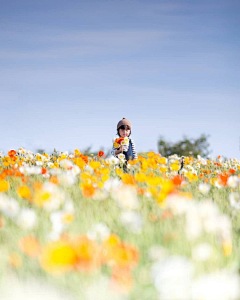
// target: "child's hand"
[[119, 150]]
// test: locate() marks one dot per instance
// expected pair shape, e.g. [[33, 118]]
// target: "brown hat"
[[124, 121]]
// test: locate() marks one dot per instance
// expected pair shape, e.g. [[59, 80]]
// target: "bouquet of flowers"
[[120, 142]]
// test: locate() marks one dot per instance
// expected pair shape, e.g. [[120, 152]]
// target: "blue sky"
[[70, 70]]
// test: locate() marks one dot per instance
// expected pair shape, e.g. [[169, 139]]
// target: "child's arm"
[[116, 151], [135, 156]]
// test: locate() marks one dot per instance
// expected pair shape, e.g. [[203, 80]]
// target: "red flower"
[[223, 178], [44, 171], [100, 153], [177, 180], [12, 153]]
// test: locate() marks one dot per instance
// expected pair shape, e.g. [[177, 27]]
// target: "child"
[[124, 130]]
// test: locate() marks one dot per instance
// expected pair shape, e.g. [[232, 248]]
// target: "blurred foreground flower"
[[173, 278], [67, 255], [14, 289]]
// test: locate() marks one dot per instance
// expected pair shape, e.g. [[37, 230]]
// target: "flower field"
[[78, 227]]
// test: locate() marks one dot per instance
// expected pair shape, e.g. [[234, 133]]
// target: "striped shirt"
[[135, 156]]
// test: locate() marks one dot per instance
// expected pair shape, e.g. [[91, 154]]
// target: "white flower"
[[224, 226], [9, 206], [223, 285], [202, 252], [193, 226], [100, 195], [46, 175], [67, 179], [121, 156], [59, 223], [217, 184], [234, 200], [65, 163], [112, 184], [126, 197], [55, 171], [233, 181], [33, 170], [88, 168], [132, 221], [202, 160], [204, 188], [178, 204], [98, 231], [56, 196], [27, 218], [172, 278], [75, 170], [112, 160]]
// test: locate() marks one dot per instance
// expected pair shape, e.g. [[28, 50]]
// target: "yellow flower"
[[163, 169], [151, 154], [140, 177], [153, 181], [161, 199], [100, 184], [191, 177], [38, 157], [104, 171], [186, 161], [24, 192], [95, 165], [79, 162], [88, 254], [68, 218], [162, 160], [119, 171], [105, 178], [227, 248], [167, 186], [58, 257], [113, 240], [4, 185], [213, 180], [76, 152], [174, 167]]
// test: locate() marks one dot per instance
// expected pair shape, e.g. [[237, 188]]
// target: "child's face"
[[124, 131]]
